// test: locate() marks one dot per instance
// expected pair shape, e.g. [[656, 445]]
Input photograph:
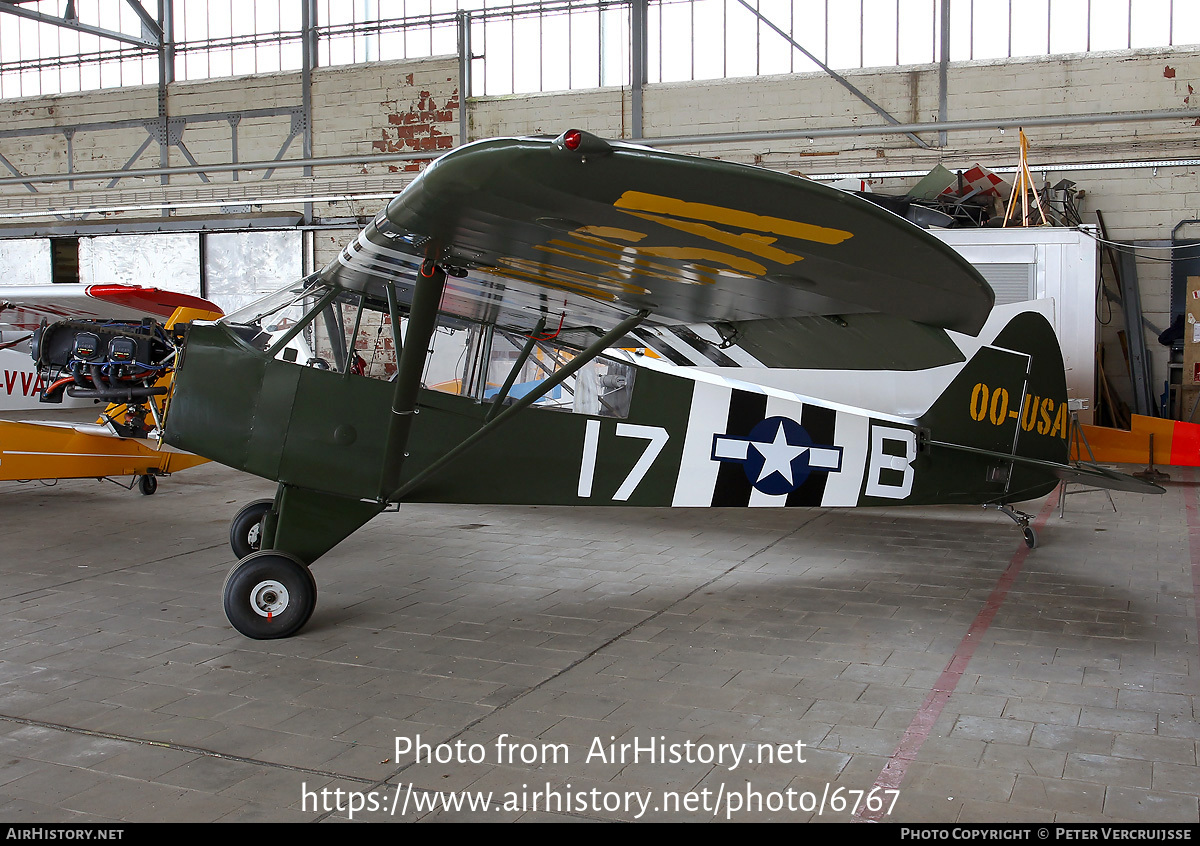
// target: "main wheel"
[[147, 484], [245, 530], [269, 594]]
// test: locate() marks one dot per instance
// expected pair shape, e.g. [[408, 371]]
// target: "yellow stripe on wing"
[[638, 201]]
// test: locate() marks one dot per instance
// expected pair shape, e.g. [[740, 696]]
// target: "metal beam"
[[97, 125], [12, 8], [22, 180], [166, 73], [187, 154], [465, 57], [274, 164], [76, 227], [841, 80], [681, 140], [943, 71], [308, 60], [296, 130], [671, 141], [639, 14], [166, 34], [936, 126], [148, 22]]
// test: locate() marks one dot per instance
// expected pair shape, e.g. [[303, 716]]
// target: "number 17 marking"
[[657, 437]]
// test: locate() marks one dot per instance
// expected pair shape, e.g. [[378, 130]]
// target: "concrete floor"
[[918, 650]]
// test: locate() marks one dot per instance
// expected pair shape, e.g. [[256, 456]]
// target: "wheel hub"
[[269, 598]]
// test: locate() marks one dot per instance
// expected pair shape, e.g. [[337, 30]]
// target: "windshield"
[[356, 334], [283, 307]]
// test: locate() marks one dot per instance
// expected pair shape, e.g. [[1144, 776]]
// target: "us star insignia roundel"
[[777, 456]]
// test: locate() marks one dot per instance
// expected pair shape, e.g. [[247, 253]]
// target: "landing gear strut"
[[1021, 519]]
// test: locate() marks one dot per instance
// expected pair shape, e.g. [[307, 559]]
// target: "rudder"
[[1010, 398]]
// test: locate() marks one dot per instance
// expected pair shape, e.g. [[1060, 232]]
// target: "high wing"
[[582, 232]]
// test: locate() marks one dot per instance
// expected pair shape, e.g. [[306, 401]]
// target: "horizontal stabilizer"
[[1079, 472]]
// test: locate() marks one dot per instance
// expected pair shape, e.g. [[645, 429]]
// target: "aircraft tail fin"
[[1011, 397], [1005, 418]]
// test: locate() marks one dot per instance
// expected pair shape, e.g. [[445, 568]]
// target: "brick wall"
[[414, 106]]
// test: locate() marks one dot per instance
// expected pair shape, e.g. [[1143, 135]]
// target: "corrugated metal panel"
[[1013, 283]]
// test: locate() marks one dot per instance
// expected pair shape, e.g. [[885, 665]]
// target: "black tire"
[[1031, 538], [246, 525], [269, 594], [148, 485]]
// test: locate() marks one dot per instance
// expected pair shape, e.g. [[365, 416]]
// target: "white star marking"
[[778, 456]]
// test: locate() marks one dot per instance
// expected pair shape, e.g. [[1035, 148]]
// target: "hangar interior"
[[924, 655]]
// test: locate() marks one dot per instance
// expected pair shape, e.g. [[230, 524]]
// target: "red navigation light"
[[572, 138]]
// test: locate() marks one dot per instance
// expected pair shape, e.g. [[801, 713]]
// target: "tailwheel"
[[148, 484], [269, 594], [245, 530], [1021, 519]]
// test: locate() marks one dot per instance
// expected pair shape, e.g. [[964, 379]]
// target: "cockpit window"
[[602, 387], [287, 304], [318, 326], [353, 333], [479, 361]]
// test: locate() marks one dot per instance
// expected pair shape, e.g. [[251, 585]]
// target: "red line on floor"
[[922, 724]]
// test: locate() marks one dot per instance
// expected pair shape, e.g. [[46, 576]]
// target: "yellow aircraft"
[[112, 350]]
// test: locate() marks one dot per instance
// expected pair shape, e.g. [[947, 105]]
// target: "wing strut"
[[564, 373], [422, 320], [502, 394]]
